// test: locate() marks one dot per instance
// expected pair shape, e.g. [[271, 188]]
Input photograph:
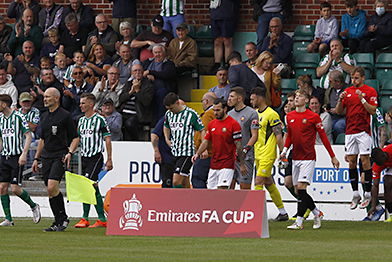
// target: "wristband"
[[246, 149], [36, 158], [69, 152], [363, 100]]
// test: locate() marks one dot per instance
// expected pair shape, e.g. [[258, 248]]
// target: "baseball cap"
[[157, 21], [182, 26], [25, 96], [108, 101]]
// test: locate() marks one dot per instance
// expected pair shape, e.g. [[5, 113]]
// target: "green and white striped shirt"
[[12, 129], [32, 116], [182, 127], [377, 121], [92, 131], [172, 7], [347, 58]]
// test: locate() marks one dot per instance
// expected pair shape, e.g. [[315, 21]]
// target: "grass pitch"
[[335, 241]]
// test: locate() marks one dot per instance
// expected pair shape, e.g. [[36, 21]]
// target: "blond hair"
[[263, 56]]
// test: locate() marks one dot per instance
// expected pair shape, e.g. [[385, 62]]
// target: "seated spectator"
[[103, 34], [222, 90], [305, 83], [327, 28], [241, 75], [279, 44], [126, 35], [183, 50], [23, 31], [51, 48], [98, 61], [23, 67], [7, 87], [84, 13], [162, 72], [144, 42], [335, 60], [72, 93], [332, 94], [60, 67], [48, 80], [110, 88], [270, 77], [388, 119], [315, 106], [74, 37], [123, 11], [5, 33], [136, 104], [353, 26], [16, 8], [251, 54], [114, 120], [125, 62], [379, 30], [50, 16], [79, 60]]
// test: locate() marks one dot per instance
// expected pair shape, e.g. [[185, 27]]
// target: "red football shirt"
[[301, 133], [378, 169], [222, 134], [357, 118]]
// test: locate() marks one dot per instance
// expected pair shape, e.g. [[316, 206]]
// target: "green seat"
[[316, 82], [305, 71], [384, 60], [304, 33], [191, 31], [306, 60], [383, 74], [373, 83], [386, 102], [140, 29], [205, 41], [300, 47], [288, 85], [364, 59], [340, 139], [204, 32]]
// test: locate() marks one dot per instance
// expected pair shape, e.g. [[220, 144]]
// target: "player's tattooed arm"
[[277, 129]]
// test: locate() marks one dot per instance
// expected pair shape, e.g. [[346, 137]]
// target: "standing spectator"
[[110, 88], [74, 37], [16, 8], [125, 62], [23, 31], [113, 118], [326, 120], [98, 61], [60, 68], [7, 87], [251, 54], [353, 26], [84, 13], [173, 15], [123, 11], [79, 60], [224, 18], [5, 33], [103, 34], [222, 90], [50, 16]]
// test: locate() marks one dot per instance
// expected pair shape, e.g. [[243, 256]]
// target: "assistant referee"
[[58, 141]]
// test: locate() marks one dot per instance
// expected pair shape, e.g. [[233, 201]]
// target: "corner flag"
[[80, 188]]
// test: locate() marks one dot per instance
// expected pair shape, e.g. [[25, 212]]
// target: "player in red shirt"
[[302, 126], [382, 159], [360, 103], [225, 135]]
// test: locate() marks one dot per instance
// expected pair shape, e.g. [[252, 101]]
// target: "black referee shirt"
[[57, 130]]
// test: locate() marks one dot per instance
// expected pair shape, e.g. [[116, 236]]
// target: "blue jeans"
[[339, 126], [171, 22], [263, 26], [200, 173]]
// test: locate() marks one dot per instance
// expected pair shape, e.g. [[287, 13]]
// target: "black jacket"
[[86, 17], [168, 74]]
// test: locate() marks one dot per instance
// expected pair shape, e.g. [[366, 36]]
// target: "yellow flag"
[[80, 188]]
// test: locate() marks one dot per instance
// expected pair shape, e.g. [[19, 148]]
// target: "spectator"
[[264, 70], [388, 119], [50, 16], [48, 80], [136, 104], [183, 50], [305, 83], [126, 35], [7, 87], [279, 44], [110, 88], [23, 31], [125, 62], [23, 67], [173, 15], [222, 90], [251, 54], [74, 37], [326, 30], [84, 14], [332, 94], [123, 11], [353, 26], [71, 98], [224, 17], [335, 60], [30, 113], [113, 118], [103, 34], [79, 60], [16, 8], [147, 39], [5, 33], [51, 48], [98, 61], [265, 10], [162, 73], [315, 106], [60, 67], [379, 31]]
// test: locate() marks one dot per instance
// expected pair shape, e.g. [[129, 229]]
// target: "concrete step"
[[207, 81], [38, 188], [197, 106], [197, 94]]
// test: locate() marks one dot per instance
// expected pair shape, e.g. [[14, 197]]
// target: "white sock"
[[282, 211], [299, 221], [356, 193], [368, 194], [316, 212]]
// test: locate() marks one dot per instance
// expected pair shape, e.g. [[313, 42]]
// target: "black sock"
[[55, 209], [302, 204], [309, 201], [58, 208], [368, 180], [353, 173], [388, 206], [62, 213]]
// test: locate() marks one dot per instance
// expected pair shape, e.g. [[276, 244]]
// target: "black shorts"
[[91, 166], [289, 169], [52, 168], [10, 171], [223, 28], [183, 165]]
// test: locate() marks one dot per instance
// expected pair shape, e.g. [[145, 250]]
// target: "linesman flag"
[[80, 189]]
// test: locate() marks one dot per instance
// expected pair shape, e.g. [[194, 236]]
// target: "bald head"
[[275, 25], [208, 100], [28, 17], [53, 92]]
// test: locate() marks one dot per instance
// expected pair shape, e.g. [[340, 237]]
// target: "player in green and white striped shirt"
[[172, 12], [179, 127], [13, 127], [93, 131]]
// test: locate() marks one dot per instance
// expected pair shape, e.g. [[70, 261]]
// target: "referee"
[[58, 141]]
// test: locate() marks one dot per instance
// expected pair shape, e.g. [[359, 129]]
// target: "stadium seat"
[[340, 139], [207, 81], [197, 94], [305, 71], [205, 41], [373, 83], [364, 59], [300, 47], [304, 33], [386, 87], [386, 102], [288, 85], [316, 82], [191, 31], [384, 60], [197, 106], [383, 74], [140, 28], [306, 60]]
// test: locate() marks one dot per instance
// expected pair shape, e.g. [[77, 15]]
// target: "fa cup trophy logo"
[[131, 218]]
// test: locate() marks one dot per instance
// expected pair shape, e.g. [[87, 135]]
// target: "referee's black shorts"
[[53, 168], [10, 171], [91, 166]]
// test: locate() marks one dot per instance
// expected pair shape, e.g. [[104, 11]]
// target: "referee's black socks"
[[58, 208], [353, 174]]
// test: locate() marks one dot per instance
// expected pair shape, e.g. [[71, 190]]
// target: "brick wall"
[[197, 13]]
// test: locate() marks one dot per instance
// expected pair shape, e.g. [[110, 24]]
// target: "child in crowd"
[[326, 29], [61, 67], [353, 26], [53, 47], [44, 63], [79, 60]]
